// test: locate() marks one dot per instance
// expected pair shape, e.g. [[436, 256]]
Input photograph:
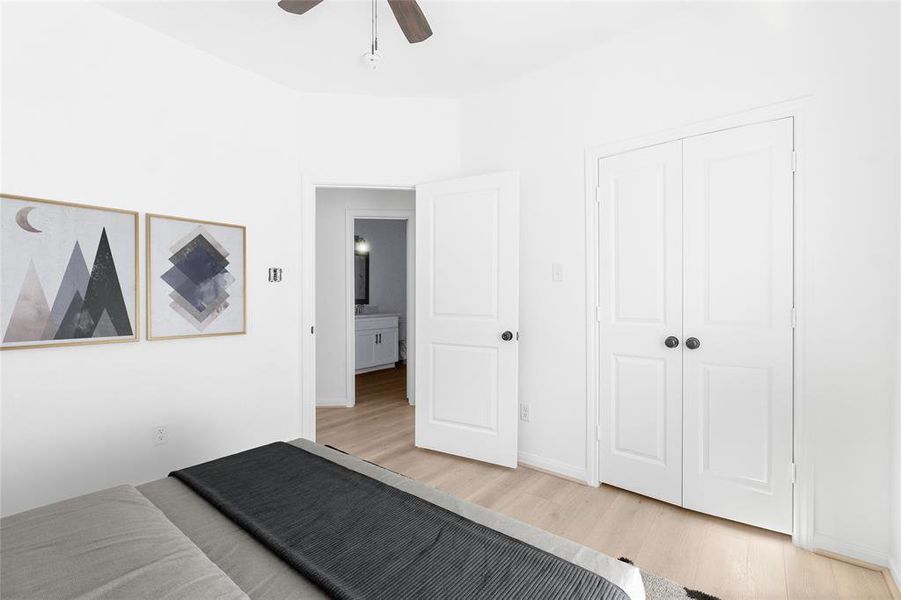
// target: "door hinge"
[[794, 162], [794, 472], [312, 329], [794, 317], [597, 194]]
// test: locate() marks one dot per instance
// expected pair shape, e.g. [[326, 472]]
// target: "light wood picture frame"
[[68, 274], [196, 278]]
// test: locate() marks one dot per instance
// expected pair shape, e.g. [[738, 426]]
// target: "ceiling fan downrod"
[[372, 59], [409, 16]]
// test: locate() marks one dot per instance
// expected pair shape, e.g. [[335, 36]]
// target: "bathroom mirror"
[[361, 277]]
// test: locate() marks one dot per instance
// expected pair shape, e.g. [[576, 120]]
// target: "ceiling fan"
[[407, 12]]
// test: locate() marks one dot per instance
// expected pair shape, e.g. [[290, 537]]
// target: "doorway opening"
[[364, 297], [380, 322]]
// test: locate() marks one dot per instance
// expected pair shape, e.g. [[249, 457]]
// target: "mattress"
[[113, 544]]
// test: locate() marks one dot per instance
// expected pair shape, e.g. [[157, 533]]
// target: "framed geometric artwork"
[[68, 274], [195, 278]]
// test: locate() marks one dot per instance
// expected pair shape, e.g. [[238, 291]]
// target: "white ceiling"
[[475, 43]]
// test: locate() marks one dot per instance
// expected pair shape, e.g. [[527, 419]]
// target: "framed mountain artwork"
[[195, 278], [68, 274]]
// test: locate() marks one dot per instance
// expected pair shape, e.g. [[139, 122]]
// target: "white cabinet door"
[[467, 286], [386, 347], [738, 202], [640, 296], [365, 349]]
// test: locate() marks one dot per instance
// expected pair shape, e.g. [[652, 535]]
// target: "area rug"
[[658, 588]]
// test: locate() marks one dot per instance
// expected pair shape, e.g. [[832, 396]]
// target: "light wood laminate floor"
[[719, 557]]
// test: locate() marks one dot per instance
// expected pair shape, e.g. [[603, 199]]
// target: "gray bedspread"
[[357, 537]]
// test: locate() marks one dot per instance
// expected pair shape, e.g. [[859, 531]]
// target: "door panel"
[[386, 348], [640, 295], [738, 297], [639, 408], [467, 295], [468, 402], [735, 414], [364, 348], [465, 254]]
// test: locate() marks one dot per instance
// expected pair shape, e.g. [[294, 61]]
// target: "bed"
[[166, 539]]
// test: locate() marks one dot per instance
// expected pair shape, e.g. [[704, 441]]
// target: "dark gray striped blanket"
[[356, 537]]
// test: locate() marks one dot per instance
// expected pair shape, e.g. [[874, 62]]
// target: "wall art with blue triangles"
[[68, 273], [195, 282]]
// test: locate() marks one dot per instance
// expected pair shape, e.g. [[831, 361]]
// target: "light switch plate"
[[557, 272]]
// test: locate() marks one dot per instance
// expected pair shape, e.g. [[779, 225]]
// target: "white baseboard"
[[332, 402], [822, 541], [553, 466], [894, 570]]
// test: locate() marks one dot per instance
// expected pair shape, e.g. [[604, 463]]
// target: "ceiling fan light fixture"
[[372, 59]]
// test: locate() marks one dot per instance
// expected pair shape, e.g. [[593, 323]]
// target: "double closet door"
[[696, 314]]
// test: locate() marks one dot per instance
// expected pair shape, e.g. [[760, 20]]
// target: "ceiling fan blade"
[[298, 7], [411, 20]]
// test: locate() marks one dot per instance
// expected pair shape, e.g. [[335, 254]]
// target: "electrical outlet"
[[160, 435], [524, 412]]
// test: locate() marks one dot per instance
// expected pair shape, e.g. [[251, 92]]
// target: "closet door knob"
[[507, 336], [692, 343], [671, 342]]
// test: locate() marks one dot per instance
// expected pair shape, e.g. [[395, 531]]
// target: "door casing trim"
[[307, 339], [351, 215]]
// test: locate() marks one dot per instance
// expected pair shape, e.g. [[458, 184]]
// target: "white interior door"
[[640, 297], [738, 203], [467, 317]]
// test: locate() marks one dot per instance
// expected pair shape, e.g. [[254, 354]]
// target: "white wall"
[[387, 267], [99, 109], [332, 205], [723, 60]]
